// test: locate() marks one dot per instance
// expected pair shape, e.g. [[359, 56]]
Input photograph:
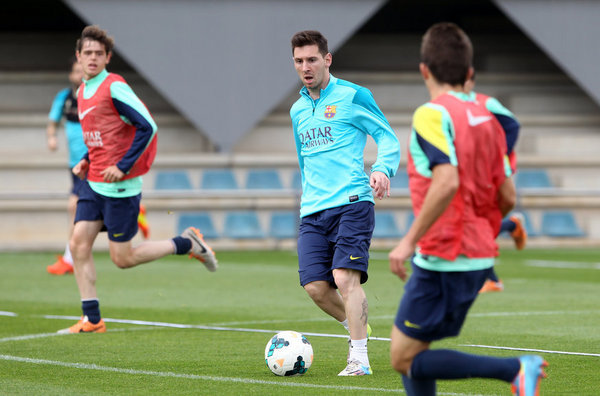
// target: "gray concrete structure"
[[223, 64], [567, 30]]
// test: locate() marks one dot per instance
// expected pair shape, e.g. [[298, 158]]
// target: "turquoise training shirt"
[[330, 135], [65, 104]]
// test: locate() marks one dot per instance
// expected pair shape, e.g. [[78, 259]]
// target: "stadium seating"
[[410, 217], [385, 225], [218, 179], [242, 225], [560, 224], [297, 181], [529, 227], [284, 225], [200, 220], [532, 178], [263, 179], [400, 180], [172, 180]]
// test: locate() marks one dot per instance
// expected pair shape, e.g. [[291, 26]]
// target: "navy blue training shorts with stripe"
[[118, 214], [435, 303], [76, 184], [335, 238]]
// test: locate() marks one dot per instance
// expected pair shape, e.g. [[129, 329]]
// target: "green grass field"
[[551, 303]]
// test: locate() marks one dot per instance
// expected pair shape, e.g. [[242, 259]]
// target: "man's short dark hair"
[[448, 53], [95, 33], [310, 37]]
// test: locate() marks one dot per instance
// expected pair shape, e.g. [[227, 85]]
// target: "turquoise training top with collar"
[[330, 135]]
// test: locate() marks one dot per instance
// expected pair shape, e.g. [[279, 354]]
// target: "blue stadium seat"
[[218, 179], [560, 224], [400, 180], [284, 225], [297, 181], [410, 217], [385, 225], [200, 220], [263, 179], [172, 180], [242, 225], [532, 178], [531, 231]]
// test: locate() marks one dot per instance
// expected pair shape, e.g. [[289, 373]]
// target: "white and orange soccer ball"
[[288, 353]]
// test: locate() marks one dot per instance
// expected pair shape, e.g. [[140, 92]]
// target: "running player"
[[460, 188], [121, 138]]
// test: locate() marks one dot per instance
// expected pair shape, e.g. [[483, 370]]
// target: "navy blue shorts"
[[76, 184], [118, 214], [435, 304], [335, 238]]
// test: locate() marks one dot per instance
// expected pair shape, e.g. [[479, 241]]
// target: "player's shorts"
[[76, 184], [118, 214], [335, 238], [435, 303]]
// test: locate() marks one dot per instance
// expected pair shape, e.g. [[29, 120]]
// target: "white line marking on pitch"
[[45, 335], [86, 366], [203, 327], [493, 314], [6, 313], [220, 328], [562, 264], [533, 350]]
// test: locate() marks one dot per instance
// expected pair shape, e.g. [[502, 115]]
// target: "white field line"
[[532, 350], [45, 335], [387, 317], [6, 313], [532, 313], [221, 328], [562, 264], [86, 366], [203, 327]]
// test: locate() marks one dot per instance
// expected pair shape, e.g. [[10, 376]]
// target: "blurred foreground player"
[[460, 189]]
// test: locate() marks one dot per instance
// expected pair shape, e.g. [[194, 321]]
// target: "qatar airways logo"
[[316, 137], [92, 138]]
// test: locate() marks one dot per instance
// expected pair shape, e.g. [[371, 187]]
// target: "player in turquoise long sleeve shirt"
[[331, 134], [331, 121]]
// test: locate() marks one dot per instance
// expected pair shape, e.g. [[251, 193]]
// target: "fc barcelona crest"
[[330, 111]]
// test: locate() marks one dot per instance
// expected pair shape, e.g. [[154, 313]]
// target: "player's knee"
[[400, 362], [79, 247], [346, 280], [121, 261], [315, 291]]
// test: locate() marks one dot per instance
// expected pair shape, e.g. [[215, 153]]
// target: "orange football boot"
[[143, 222], [60, 267], [85, 326]]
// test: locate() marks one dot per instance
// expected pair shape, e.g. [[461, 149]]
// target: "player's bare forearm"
[[444, 185], [507, 196], [51, 135]]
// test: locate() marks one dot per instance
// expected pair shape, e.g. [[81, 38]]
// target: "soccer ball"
[[288, 353]]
